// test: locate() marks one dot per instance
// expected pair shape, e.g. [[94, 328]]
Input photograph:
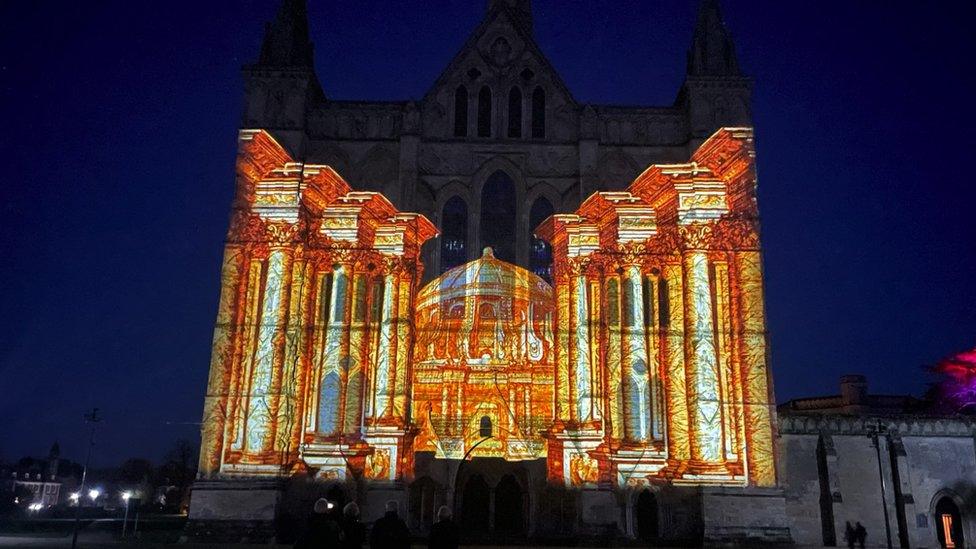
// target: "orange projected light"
[[644, 361]]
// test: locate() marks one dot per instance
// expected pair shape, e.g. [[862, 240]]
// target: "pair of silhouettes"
[[855, 534]]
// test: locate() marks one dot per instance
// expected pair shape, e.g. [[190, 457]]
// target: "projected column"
[[700, 358], [634, 364]]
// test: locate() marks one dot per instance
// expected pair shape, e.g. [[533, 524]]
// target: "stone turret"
[[712, 52], [281, 86], [715, 93]]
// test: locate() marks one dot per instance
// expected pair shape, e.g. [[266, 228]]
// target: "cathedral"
[[545, 315]]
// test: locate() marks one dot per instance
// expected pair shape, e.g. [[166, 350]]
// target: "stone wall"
[[829, 468]]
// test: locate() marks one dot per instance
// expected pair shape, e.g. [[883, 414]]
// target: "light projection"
[[643, 361]]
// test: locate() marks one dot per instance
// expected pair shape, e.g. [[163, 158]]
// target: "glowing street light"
[[35, 507], [126, 496], [75, 496], [94, 493]]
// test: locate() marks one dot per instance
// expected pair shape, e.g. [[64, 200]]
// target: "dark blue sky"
[[119, 138]]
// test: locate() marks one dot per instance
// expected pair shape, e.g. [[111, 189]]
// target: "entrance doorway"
[[645, 516], [948, 524], [475, 506], [509, 508]]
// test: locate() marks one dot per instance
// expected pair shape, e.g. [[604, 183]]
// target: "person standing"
[[860, 534], [353, 531], [849, 536], [390, 532], [444, 534], [322, 530]]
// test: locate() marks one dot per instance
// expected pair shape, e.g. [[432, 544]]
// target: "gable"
[[500, 54]]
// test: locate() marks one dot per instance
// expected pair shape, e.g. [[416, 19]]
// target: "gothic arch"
[[461, 101], [444, 194], [485, 112], [478, 180], [966, 528], [514, 113]]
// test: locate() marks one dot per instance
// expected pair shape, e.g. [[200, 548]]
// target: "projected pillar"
[[701, 363]]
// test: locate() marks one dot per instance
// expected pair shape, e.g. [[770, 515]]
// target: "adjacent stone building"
[[907, 476]]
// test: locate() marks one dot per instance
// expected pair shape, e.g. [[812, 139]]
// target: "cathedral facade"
[[599, 367]]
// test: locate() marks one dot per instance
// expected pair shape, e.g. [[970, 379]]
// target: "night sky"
[[119, 137]]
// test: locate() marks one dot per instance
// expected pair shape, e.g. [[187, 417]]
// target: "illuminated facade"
[[661, 368], [546, 374], [643, 365]]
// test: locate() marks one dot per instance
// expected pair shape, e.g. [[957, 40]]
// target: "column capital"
[[696, 236]]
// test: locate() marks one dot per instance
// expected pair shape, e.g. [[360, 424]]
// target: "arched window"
[[540, 254], [454, 223], [498, 216], [461, 112], [484, 112], [538, 113], [515, 113]]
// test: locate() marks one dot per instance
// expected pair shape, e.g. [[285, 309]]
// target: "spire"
[[286, 42], [521, 9], [712, 52]]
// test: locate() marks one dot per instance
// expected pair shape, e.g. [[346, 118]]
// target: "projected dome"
[[485, 312]]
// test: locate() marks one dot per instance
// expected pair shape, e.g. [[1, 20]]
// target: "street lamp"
[[75, 496], [126, 496], [94, 493], [875, 432]]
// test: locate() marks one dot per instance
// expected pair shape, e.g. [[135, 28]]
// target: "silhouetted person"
[[860, 534], [353, 531], [444, 534], [390, 532], [849, 536], [322, 530]]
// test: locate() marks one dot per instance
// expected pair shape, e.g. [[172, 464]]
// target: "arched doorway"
[[645, 517], [509, 508], [475, 506], [424, 501], [948, 523], [498, 216]]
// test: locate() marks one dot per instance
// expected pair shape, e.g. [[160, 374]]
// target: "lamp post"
[[93, 419], [875, 433], [126, 496]]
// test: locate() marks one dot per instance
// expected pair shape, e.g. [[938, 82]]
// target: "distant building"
[[838, 453], [44, 478]]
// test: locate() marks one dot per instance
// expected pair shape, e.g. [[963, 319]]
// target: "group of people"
[[855, 534], [327, 529]]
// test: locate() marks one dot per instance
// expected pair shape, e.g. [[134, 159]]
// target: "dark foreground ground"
[[156, 532]]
